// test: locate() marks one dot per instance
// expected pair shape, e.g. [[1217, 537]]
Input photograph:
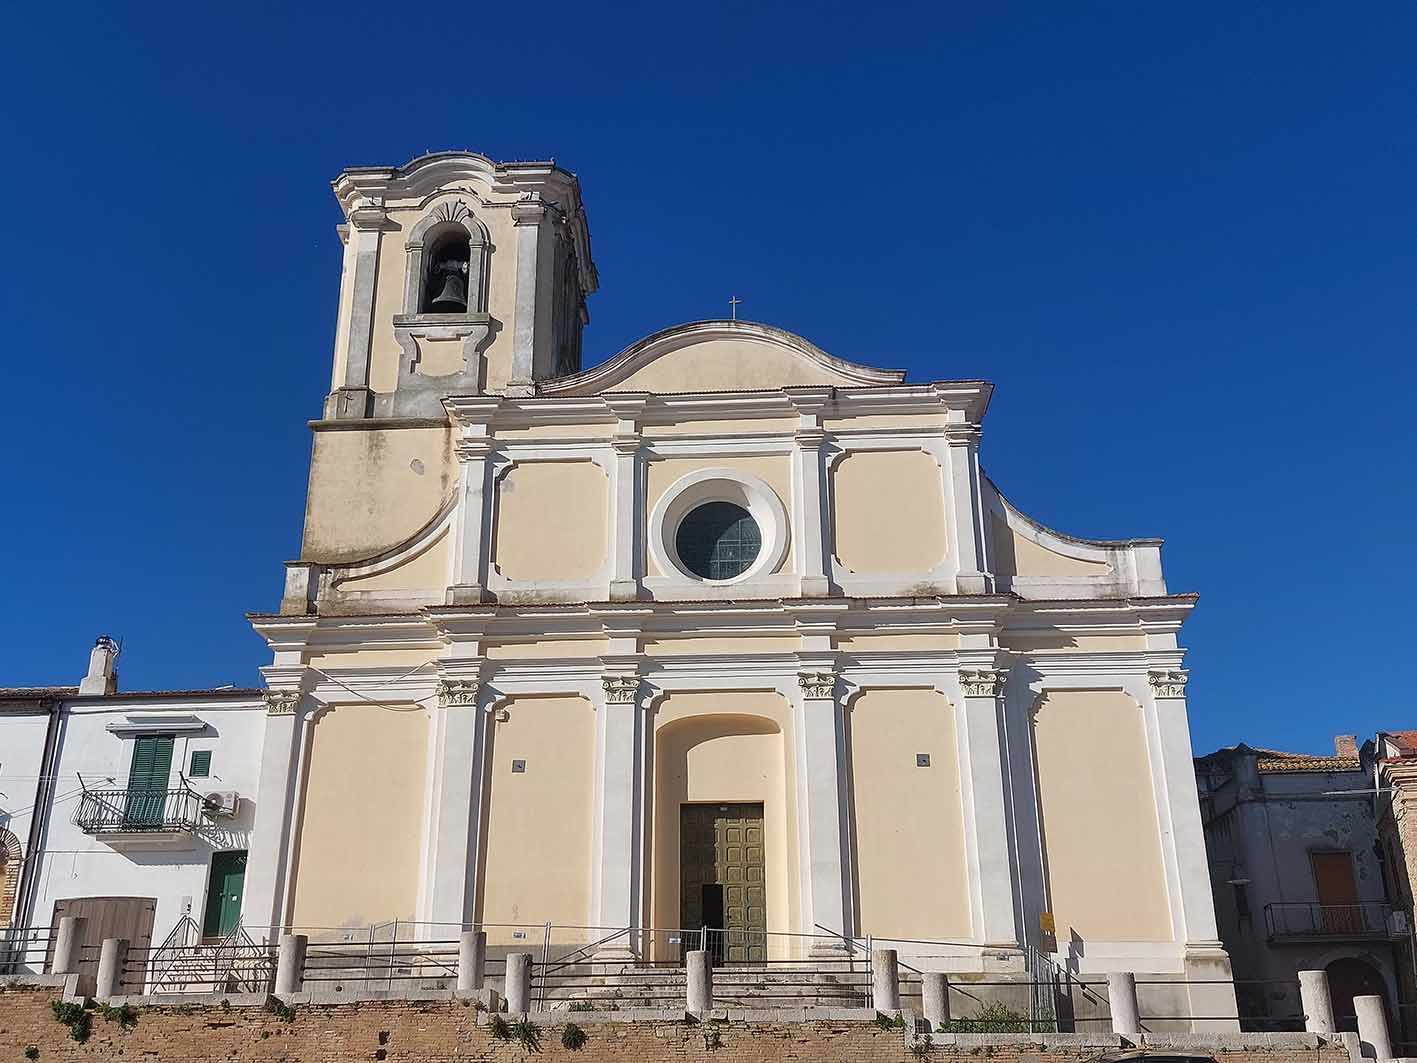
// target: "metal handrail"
[[131, 811], [1316, 919]]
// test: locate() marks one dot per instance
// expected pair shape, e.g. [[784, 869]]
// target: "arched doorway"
[[9, 875], [1351, 977]]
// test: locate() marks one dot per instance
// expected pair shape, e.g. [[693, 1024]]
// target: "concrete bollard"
[[936, 999], [1315, 1001], [519, 983], [112, 959], [885, 980], [290, 963], [1372, 1026], [699, 966], [1122, 1000], [472, 960], [69, 944]]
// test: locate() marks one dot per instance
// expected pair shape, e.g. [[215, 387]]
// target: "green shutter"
[[147, 780], [201, 764], [152, 763]]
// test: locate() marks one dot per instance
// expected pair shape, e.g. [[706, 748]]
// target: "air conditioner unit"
[[1397, 924], [221, 803]]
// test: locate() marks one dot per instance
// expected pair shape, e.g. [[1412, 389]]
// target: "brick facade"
[[446, 1031]]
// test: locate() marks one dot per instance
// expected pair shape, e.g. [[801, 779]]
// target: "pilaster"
[[986, 826], [354, 399], [966, 523], [528, 215], [1179, 805], [822, 806], [267, 886], [460, 726], [617, 821], [809, 487], [624, 532], [467, 584]]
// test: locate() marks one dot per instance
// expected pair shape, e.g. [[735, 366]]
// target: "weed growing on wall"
[[79, 1021], [573, 1037]]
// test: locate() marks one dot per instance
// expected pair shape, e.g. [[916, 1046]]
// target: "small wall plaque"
[[518, 767], [922, 760]]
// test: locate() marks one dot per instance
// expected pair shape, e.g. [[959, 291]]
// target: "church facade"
[[723, 631]]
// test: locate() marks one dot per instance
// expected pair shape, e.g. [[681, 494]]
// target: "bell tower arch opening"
[[445, 288]]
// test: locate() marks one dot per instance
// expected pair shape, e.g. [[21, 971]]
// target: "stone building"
[[1397, 840], [721, 631], [1299, 878]]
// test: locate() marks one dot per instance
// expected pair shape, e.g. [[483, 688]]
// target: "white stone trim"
[[716, 484]]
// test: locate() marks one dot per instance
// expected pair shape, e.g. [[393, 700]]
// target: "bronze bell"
[[452, 297]]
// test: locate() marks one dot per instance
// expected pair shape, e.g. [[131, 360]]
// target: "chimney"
[[102, 677], [1345, 745]]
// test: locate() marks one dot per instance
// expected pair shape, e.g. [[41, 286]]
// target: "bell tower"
[[461, 276]]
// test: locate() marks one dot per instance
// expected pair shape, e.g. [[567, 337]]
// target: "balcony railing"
[[139, 811], [1302, 921]]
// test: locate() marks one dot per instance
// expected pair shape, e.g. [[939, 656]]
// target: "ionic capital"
[[817, 684], [282, 702], [982, 682], [457, 692], [620, 689], [1167, 683]]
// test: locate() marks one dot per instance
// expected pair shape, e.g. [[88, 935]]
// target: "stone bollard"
[[1372, 1026], [885, 980], [936, 999], [519, 983], [472, 960], [69, 944], [699, 966], [1122, 1000], [1315, 1001], [290, 963], [112, 959]]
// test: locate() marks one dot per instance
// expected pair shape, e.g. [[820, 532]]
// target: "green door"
[[147, 780], [224, 887]]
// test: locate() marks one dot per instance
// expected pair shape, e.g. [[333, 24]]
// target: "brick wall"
[[446, 1031]]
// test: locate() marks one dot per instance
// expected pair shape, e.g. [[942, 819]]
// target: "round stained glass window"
[[718, 540]]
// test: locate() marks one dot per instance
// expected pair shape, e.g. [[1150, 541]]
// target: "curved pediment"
[[720, 356]]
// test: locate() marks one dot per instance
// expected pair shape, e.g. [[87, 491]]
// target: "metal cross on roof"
[[733, 306]]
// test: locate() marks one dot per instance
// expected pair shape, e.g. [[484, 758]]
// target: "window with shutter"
[[147, 779]]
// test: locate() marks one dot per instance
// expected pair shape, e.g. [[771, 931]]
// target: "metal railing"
[[1312, 921], [134, 811], [24, 949]]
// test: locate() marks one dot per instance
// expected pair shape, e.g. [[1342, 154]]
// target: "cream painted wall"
[[772, 469], [536, 865], [905, 422], [388, 301], [575, 432], [876, 643], [370, 658], [1016, 556], [362, 817], [542, 649], [727, 365], [888, 511], [550, 522], [1102, 845], [725, 746], [1061, 641], [707, 646], [371, 489], [428, 570], [743, 426], [907, 821]]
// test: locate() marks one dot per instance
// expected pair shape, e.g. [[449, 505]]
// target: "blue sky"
[[1182, 241]]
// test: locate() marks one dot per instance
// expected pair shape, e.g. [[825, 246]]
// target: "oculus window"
[[718, 540]]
